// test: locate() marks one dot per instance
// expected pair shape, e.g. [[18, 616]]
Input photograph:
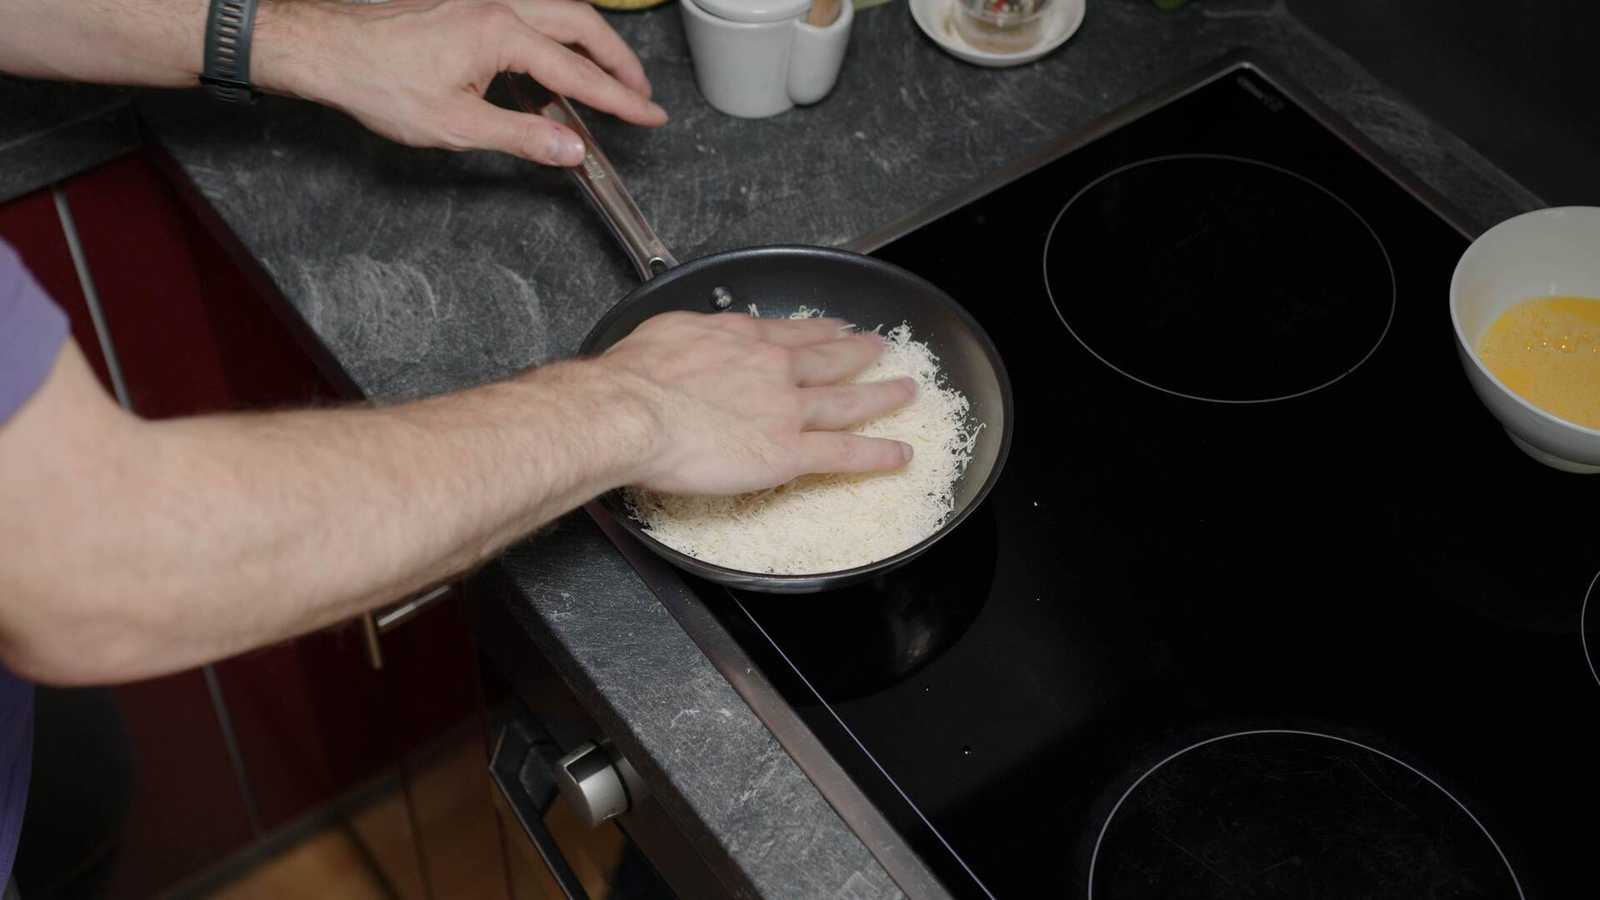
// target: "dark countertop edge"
[[617, 728], [1444, 138], [41, 159]]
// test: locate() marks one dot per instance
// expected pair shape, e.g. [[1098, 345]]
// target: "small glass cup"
[[1000, 26]]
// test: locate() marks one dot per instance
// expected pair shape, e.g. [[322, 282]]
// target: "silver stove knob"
[[598, 783]]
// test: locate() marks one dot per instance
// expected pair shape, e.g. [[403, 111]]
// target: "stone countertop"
[[51, 131], [425, 271]]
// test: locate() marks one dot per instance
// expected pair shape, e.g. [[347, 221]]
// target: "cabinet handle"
[[376, 624], [515, 750]]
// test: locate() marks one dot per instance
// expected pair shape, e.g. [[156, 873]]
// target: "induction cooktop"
[[1265, 604]]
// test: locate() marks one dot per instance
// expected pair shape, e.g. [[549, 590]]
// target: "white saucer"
[[1061, 20]]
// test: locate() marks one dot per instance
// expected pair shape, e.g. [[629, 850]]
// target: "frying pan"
[[779, 280]]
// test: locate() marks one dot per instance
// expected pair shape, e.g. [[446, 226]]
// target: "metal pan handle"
[[601, 185]]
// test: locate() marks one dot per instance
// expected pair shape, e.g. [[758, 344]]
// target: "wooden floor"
[[374, 851], [328, 864]]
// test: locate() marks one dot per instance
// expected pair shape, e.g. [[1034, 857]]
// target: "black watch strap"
[[226, 69]]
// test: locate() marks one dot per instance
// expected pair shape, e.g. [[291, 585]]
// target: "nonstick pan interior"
[[862, 290]]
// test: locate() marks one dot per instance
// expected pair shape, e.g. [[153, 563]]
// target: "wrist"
[[294, 42], [626, 413]]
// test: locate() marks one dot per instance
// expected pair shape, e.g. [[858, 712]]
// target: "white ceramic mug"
[[1548, 252], [757, 58]]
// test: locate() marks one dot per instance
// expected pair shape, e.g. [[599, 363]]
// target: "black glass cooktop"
[[1265, 603]]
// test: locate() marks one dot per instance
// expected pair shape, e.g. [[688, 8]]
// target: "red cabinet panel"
[[194, 335], [186, 809], [198, 329], [191, 335], [281, 707]]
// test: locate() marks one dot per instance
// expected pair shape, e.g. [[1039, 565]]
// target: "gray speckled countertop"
[[424, 271], [52, 131]]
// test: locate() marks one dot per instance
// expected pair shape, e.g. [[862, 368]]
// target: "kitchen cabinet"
[[229, 754], [177, 801]]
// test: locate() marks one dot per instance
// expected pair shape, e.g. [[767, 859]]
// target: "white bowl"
[[1061, 21], [1545, 253]]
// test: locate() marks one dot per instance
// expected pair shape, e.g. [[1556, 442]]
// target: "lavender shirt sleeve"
[[32, 330]]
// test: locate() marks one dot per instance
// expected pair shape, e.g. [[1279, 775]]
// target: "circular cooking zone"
[[1587, 622], [1293, 814], [1219, 278]]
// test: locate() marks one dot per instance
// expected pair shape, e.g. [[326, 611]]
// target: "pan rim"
[[810, 582]]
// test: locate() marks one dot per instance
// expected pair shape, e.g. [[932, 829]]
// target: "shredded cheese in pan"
[[825, 523]]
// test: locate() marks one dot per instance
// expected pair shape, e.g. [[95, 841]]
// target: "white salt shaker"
[[757, 58]]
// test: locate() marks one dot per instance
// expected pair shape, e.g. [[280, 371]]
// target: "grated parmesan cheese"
[[825, 523]]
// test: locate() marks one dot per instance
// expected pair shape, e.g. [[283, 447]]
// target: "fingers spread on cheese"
[[825, 523]]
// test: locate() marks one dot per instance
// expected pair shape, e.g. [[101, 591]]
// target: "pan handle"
[[601, 185]]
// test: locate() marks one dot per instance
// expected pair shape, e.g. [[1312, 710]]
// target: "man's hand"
[[411, 70], [744, 404], [415, 71], [215, 534]]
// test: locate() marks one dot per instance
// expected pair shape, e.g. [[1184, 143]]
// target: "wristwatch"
[[225, 72]]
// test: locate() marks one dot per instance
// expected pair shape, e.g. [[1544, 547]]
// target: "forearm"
[[414, 71], [157, 43], [132, 548], [205, 537]]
